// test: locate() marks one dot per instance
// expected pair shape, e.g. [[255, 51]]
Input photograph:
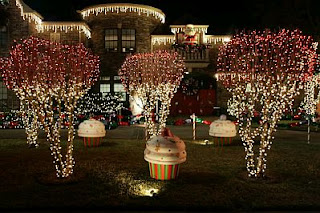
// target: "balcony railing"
[[194, 55]]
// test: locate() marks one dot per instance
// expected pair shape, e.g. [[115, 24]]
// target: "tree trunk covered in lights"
[[154, 77], [49, 78], [263, 71]]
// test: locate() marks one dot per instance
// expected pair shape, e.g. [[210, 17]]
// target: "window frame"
[[115, 42], [108, 90], [126, 36]]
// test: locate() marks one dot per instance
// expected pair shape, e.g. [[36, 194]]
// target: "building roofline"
[[122, 7], [28, 12]]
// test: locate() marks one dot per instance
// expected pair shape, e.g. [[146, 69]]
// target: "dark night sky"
[[224, 17]]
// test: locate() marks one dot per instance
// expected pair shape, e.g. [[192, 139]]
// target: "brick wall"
[[111, 61], [18, 27]]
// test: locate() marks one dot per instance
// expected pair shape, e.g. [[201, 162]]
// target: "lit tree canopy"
[[49, 78], [154, 77], [264, 71]]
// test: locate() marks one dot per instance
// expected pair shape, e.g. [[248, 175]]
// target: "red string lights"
[[154, 77], [49, 78], [264, 72]]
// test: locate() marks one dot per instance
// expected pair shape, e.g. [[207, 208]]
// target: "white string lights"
[[264, 72], [123, 8], [96, 104], [30, 14], [64, 27], [49, 78], [41, 26], [312, 97], [154, 77], [162, 39], [182, 28]]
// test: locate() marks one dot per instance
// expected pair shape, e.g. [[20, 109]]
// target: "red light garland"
[[49, 78], [264, 72], [154, 77]]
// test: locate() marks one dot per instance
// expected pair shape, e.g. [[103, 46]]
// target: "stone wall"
[[70, 37], [112, 61], [17, 27]]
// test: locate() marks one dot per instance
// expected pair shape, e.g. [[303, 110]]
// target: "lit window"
[[128, 40], [55, 37], [104, 89], [118, 87], [116, 78], [120, 90], [111, 39], [3, 37], [105, 78]]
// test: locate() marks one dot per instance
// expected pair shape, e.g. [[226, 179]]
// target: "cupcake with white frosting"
[[165, 153], [223, 130], [92, 132]]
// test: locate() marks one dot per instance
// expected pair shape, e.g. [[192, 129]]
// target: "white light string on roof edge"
[[54, 26], [123, 8]]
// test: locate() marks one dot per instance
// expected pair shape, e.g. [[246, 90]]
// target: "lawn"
[[115, 176]]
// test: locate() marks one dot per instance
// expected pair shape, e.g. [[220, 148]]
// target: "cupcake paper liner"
[[222, 140], [164, 172], [92, 142]]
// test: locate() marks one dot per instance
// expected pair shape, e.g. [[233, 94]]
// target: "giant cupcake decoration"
[[92, 132], [165, 153], [223, 130]]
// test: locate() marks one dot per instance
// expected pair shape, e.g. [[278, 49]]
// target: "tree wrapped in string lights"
[[154, 77], [311, 99], [263, 71], [49, 78], [312, 94]]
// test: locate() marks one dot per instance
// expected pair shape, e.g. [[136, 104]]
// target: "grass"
[[115, 176]]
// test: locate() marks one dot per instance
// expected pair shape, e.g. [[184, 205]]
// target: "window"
[[55, 37], [116, 77], [105, 78], [3, 91], [111, 40], [104, 89], [128, 40], [120, 90], [3, 37]]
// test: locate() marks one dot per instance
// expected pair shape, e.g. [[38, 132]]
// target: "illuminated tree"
[[154, 77], [49, 78], [311, 98], [263, 71]]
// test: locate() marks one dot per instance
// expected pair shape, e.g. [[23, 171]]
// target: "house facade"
[[113, 31]]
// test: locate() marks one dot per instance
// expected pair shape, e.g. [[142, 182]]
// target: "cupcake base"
[[222, 140], [164, 172], [92, 142]]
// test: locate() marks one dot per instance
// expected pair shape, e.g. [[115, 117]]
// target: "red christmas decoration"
[[264, 72], [49, 78], [154, 77]]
